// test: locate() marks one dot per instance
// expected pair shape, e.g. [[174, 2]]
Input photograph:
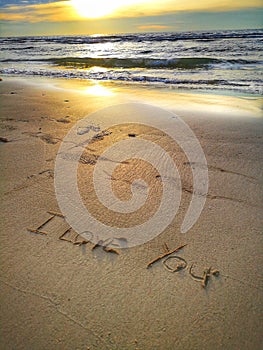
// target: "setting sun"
[[101, 8], [95, 9]]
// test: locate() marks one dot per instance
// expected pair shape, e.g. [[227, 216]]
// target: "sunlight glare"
[[95, 9], [98, 90], [101, 8]]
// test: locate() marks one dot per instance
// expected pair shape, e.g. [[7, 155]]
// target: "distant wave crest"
[[183, 63], [150, 63]]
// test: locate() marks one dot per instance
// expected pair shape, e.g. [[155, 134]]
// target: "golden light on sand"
[[95, 9], [98, 90]]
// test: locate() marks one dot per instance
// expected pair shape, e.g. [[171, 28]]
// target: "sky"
[[71, 17]]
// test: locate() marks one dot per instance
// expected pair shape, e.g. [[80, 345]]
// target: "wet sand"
[[57, 295]]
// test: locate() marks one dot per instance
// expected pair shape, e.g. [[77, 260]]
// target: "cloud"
[[157, 7], [58, 11], [153, 26], [63, 11]]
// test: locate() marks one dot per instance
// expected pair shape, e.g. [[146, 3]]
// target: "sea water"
[[216, 60]]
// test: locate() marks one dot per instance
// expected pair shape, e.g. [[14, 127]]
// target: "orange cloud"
[[153, 26], [58, 11], [157, 7], [64, 11]]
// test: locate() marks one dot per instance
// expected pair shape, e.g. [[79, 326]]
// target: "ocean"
[[229, 61]]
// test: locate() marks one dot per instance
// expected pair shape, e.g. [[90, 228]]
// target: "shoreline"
[[143, 85], [225, 101]]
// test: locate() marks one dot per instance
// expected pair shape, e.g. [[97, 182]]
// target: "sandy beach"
[[60, 295]]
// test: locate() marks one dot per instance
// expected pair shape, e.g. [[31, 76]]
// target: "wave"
[[139, 37], [181, 63], [244, 86], [19, 48], [150, 63]]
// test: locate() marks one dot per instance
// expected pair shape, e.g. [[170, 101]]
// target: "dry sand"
[[56, 295]]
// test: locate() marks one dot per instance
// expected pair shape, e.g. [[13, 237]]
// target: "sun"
[[95, 8]]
